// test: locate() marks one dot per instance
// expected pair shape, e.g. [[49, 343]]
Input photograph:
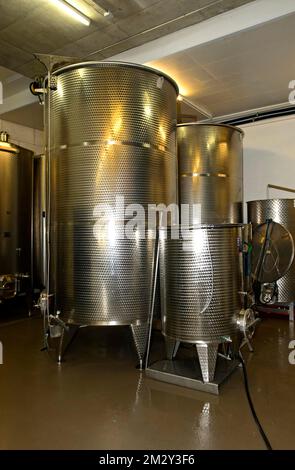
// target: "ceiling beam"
[[236, 20]]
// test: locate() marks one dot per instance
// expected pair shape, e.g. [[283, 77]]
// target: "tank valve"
[[56, 326], [246, 322], [269, 293], [4, 136], [8, 287]]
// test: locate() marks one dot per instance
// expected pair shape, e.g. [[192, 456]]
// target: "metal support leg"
[[29, 301], [152, 308], [171, 348], [246, 341], [291, 312], [140, 336], [207, 356], [65, 340], [60, 347]]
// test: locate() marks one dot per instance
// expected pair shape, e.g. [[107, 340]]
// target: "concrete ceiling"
[[246, 70], [29, 26], [229, 59], [38, 26]]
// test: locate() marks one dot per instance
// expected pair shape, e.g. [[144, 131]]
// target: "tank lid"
[[113, 64], [187, 124], [5, 146]]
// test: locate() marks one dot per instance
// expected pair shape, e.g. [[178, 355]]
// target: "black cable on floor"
[[260, 428]]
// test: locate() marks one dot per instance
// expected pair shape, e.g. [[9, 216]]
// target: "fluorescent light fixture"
[[94, 5], [72, 11], [98, 8]]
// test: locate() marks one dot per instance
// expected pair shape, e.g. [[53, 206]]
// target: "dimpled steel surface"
[[211, 171], [113, 134], [200, 282], [281, 211]]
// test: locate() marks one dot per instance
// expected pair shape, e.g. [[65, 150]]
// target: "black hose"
[[260, 428]]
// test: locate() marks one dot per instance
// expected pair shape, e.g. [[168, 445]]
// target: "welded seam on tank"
[[110, 142], [219, 175]]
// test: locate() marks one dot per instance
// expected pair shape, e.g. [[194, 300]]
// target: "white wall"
[[26, 137], [269, 157]]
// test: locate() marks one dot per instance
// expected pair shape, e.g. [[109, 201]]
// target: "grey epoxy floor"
[[98, 400]]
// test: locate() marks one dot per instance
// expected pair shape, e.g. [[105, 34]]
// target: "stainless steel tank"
[[113, 133], [211, 172], [281, 211], [15, 218], [201, 282]]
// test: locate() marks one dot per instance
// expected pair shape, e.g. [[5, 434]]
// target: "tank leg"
[[60, 347], [140, 337], [29, 301], [291, 311], [171, 346], [235, 345], [65, 340], [207, 356]]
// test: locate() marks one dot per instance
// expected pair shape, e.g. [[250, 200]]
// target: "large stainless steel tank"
[[201, 283], [211, 172], [15, 218], [281, 211], [113, 133]]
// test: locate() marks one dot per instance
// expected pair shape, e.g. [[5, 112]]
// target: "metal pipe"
[[249, 112], [201, 109], [47, 165], [280, 188], [157, 247], [32, 228]]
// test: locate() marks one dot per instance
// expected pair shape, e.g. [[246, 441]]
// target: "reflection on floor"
[[97, 400]]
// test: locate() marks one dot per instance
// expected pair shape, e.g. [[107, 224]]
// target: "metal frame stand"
[[187, 373]]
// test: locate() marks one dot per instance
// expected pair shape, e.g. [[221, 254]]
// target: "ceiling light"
[[93, 4], [72, 11]]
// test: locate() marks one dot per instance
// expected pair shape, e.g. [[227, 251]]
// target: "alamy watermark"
[[292, 93], [292, 353], [134, 221]]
